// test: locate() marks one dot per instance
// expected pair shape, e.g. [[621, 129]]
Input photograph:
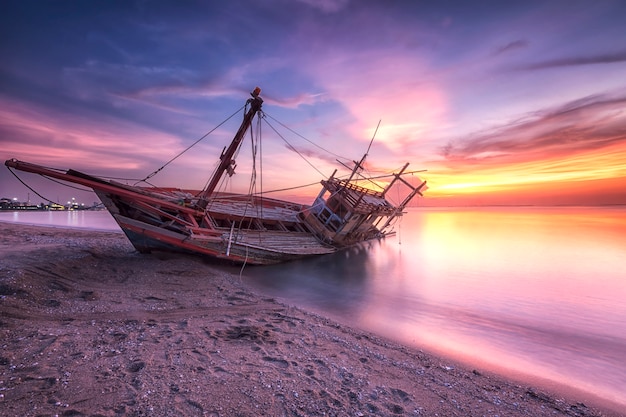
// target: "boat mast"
[[226, 159], [359, 165]]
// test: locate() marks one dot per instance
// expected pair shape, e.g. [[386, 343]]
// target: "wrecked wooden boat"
[[245, 228]]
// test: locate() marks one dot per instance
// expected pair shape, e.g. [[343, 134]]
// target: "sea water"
[[82, 219], [538, 292]]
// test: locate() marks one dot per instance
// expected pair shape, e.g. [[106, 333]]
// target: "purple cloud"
[[607, 58], [511, 46], [587, 124]]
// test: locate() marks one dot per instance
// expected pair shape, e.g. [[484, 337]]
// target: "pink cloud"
[[382, 85], [65, 141]]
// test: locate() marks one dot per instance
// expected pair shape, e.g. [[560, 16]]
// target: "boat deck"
[[293, 243], [237, 208]]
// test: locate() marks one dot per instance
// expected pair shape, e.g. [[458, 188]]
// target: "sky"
[[501, 103]]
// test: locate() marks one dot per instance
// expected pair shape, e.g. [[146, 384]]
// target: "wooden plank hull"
[[148, 230], [255, 248]]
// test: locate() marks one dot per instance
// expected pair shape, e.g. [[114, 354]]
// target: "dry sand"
[[89, 327]]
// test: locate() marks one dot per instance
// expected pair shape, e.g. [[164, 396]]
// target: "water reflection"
[[530, 290], [83, 219], [324, 282]]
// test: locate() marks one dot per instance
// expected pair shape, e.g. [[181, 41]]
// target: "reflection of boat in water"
[[245, 228]]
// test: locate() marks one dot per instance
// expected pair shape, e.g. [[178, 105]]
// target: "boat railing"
[[352, 186], [356, 197]]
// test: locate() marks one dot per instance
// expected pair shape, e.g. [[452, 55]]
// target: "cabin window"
[[337, 205], [334, 223], [334, 204], [330, 219], [318, 206]]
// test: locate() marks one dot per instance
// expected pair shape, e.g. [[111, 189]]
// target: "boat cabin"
[[345, 213]]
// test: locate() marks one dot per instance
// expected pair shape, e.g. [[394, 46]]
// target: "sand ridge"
[[89, 327]]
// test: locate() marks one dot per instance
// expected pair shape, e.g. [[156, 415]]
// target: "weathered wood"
[[242, 228]]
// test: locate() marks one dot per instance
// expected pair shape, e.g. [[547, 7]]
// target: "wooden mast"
[[226, 159]]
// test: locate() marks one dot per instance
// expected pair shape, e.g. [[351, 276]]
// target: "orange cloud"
[[576, 149]]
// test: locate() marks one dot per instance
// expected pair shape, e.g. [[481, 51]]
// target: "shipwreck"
[[246, 228]]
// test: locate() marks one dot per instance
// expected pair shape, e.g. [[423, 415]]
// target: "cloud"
[[327, 6], [511, 46], [391, 90], [294, 102], [48, 137], [587, 124], [607, 58]]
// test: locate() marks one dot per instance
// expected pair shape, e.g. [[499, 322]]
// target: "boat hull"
[[242, 248], [148, 230]]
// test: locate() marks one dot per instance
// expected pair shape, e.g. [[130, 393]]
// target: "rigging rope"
[[317, 182], [294, 149], [190, 146], [253, 182], [29, 187], [224, 180], [311, 142], [49, 179]]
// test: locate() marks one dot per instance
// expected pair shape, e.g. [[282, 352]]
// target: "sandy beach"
[[89, 327]]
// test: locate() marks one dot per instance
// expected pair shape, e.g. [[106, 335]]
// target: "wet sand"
[[89, 327]]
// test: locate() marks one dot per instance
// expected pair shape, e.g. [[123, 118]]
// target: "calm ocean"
[[533, 292]]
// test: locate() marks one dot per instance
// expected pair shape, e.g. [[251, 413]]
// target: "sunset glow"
[[573, 175], [499, 104]]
